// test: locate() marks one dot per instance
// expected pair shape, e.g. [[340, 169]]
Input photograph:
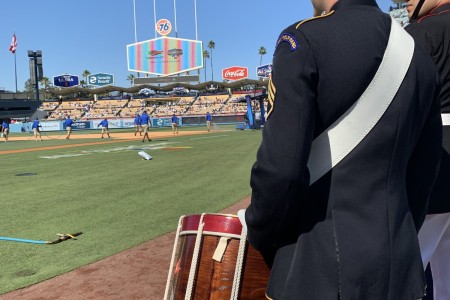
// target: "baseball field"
[[104, 189]]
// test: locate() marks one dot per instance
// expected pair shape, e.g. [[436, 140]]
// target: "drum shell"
[[213, 279]]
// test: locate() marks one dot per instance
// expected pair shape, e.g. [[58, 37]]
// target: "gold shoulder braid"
[[323, 15]]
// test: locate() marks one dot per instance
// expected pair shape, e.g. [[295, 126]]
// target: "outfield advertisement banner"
[[127, 123], [80, 125], [111, 123], [51, 126], [162, 122]]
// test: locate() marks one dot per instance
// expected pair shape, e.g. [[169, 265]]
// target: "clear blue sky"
[[92, 34]]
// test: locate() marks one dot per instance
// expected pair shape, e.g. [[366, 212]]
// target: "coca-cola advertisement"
[[235, 73]]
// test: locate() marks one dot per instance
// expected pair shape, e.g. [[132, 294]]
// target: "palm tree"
[[131, 79], [262, 51], [45, 82], [85, 74], [211, 46], [205, 56], [29, 87]]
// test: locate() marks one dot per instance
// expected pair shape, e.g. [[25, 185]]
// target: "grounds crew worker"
[[68, 122], [430, 27], [5, 129], [353, 233], [36, 129]]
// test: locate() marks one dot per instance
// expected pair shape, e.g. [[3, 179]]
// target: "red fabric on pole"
[[13, 45]]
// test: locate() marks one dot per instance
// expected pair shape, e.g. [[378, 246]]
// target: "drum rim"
[[210, 233], [215, 225]]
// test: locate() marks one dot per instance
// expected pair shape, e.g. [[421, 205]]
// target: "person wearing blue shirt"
[[145, 121], [208, 121], [36, 129], [175, 124], [5, 130], [68, 123], [137, 124], [104, 123]]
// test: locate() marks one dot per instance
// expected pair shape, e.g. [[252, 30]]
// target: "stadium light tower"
[[135, 31], [36, 72], [134, 14]]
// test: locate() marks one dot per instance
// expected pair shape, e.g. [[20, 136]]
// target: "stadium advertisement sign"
[[127, 123], [235, 73], [66, 80], [50, 126], [101, 79], [111, 123], [264, 71], [161, 122], [79, 125], [165, 56], [163, 27]]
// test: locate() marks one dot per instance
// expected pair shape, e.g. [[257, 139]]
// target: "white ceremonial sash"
[[445, 119], [330, 147]]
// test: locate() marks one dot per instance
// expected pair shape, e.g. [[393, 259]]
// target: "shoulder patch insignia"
[[288, 38]]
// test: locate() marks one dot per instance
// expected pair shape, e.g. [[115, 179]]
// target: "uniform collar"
[[344, 3], [445, 7], [440, 8]]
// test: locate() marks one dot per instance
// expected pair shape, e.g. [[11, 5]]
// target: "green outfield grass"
[[110, 194]]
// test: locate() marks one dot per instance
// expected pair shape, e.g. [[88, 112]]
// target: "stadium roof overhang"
[[166, 88]]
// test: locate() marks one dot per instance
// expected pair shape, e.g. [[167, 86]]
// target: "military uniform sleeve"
[[424, 163], [280, 175]]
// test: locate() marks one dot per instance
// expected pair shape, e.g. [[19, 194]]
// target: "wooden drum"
[[211, 259]]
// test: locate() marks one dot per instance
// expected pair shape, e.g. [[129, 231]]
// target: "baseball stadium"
[[95, 171], [97, 197], [93, 216]]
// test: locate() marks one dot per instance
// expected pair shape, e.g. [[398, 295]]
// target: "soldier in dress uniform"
[[352, 234], [430, 27]]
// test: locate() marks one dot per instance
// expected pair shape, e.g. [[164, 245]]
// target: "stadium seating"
[[157, 106]]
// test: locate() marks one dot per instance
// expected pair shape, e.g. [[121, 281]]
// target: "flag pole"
[[15, 69], [195, 8], [175, 12], [135, 31], [134, 14], [154, 16]]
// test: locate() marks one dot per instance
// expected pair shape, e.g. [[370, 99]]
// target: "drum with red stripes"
[[212, 260]]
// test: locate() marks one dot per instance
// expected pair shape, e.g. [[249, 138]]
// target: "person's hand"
[[241, 215]]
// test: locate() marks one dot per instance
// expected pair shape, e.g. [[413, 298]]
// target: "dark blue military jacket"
[[352, 234], [432, 32]]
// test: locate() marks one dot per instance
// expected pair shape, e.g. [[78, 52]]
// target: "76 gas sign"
[[163, 27]]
